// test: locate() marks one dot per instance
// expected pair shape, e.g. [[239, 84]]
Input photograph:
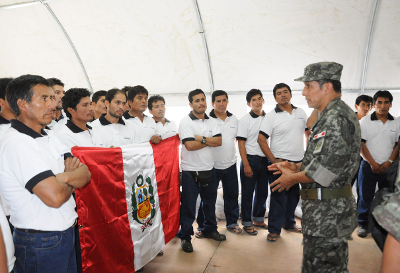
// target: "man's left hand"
[[384, 166]]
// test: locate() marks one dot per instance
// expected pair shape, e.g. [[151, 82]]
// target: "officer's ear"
[[328, 88]]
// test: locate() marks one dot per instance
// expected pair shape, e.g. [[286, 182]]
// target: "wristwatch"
[[391, 161], [204, 140]]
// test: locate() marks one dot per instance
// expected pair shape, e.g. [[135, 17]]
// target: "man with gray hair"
[[330, 162]]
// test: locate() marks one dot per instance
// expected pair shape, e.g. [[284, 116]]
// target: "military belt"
[[325, 193]]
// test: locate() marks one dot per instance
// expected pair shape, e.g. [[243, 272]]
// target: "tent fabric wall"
[[156, 43]]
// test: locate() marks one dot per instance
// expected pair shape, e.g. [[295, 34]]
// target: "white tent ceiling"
[[100, 44]]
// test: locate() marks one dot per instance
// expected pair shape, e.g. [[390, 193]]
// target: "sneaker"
[[199, 234], [187, 246], [362, 232], [349, 238], [160, 253], [215, 236]]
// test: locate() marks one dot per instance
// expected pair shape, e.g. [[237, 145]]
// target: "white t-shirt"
[[106, 134], [71, 135], [145, 129], [4, 125], [8, 241], [285, 132], [379, 138], [248, 130], [56, 125], [225, 155], [202, 159], [26, 159], [167, 130]]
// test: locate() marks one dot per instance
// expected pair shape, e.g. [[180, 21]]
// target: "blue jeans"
[[282, 207], [50, 252], [190, 192], [257, 184], [367, 184], [230, 184]]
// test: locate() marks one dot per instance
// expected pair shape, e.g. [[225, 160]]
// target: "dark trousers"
[[282, 207], [230, 185], [367, 184], [190, 192], [257, 184]]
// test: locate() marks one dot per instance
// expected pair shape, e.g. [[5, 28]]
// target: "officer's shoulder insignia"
[[323, 134], [319, 145]]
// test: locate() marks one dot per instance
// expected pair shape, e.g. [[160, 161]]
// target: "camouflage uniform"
[[331, 160]]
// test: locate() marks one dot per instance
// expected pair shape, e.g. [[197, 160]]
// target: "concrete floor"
[[245, 253]]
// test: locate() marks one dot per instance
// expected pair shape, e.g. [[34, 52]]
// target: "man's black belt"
[[326, 193], [41, 231]]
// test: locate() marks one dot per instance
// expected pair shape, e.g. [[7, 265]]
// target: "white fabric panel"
[[151, 43], [256, 44], [32, 43], [384, 63]]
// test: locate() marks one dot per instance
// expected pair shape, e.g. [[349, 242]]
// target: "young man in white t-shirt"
[[37, 178], [253, 169], [284, 128], [165, 128], [198, 134]]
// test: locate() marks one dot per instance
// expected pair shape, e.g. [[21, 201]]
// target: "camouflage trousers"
[[321, 254]]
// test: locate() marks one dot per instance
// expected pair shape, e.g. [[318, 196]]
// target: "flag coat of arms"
[[130, 208]]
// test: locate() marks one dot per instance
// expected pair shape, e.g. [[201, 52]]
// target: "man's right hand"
[[248, 171]]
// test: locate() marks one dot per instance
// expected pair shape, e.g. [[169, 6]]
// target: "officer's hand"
[[285, 181], [285, 164], [72, 163], [384, 166], [248, 171], [375, 168], [155, 139]]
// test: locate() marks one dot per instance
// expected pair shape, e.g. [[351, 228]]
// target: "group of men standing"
[[38, 173]]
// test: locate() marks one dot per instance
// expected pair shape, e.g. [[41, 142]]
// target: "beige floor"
[[244, 253]]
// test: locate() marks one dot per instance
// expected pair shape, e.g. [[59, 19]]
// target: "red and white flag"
[[130, 208]]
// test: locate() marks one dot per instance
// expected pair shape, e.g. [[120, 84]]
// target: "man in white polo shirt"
[[59, 117], [379, 137], [37, 178], [144, 125], [79, 110], [164, 127], [198, 134], [111, 130], [253, 169], [225, 163], [285, 127]]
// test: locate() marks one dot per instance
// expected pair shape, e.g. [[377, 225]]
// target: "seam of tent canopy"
[[25, 4], [205, 46], [367, 47]]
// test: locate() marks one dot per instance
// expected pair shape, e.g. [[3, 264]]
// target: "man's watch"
[[204, 140], [391, 161]]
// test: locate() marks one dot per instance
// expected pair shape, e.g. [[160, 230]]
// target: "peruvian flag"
[[130, 208]]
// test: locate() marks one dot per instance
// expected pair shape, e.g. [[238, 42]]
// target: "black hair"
[[154, 98], [383, 94], [72, 98], [252, 93], [3, 85], [136, 90], [365, 98], [96, 96], [21, 88], [194, 93], [337, 85], [55, 81], [217, 93], [279, 86], [112, 92], [126, 88]]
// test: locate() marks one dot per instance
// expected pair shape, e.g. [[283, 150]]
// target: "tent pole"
[[71, 44], [205, 47], [367, 48]]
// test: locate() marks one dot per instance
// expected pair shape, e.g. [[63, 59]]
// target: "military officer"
[[330, 162]]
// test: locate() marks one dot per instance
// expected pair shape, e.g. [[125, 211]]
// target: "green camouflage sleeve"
[[332, 152], [388, 215]]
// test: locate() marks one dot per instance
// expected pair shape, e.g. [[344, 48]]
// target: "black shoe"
[[187, 246], [215, 236], [362, 232]]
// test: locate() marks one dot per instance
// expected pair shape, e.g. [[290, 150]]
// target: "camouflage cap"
[[321, 71]]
